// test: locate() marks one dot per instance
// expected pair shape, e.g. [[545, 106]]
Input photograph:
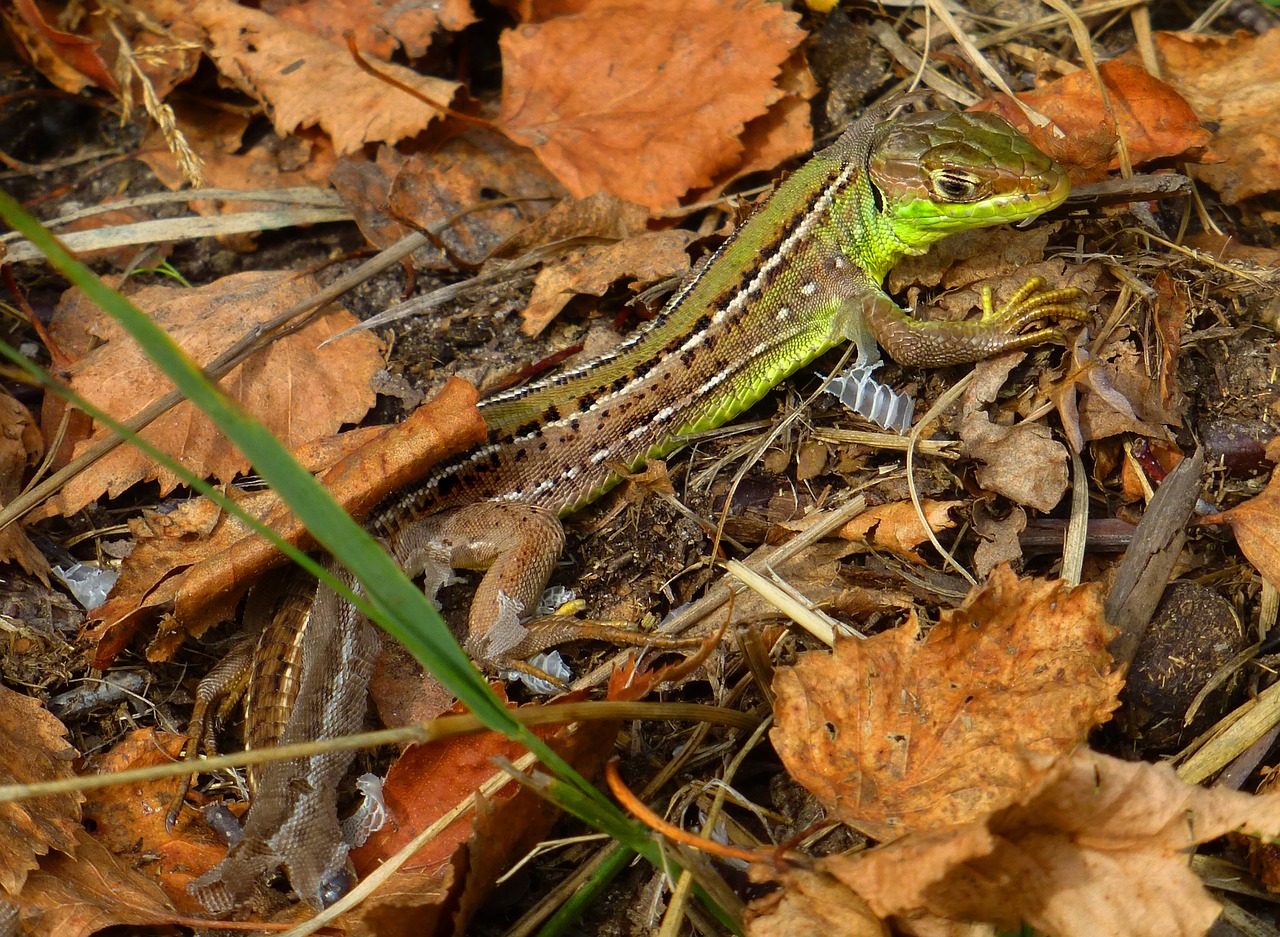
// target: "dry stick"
[[216, 369], [1148, 563]]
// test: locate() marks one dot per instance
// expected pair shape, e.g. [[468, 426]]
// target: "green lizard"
[[802, 275]]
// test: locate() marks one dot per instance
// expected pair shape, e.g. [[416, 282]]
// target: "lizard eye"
[[955, 186]]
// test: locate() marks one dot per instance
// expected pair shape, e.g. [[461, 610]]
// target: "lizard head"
[[933, 173]]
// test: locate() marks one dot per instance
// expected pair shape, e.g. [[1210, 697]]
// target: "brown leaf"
[[1096, 847], [378, 29], [1120, 396], [896, 734], [475, 848], [1157, 122], [1256, 524], [812, 904], [781, 133], [597, 216], [999, 543], [395, 194], [591, 270], [896, 527], [306, 81], [1171, 317], [33, 747], [646, 99], [71, 62], [1022, 462], [90, 890], [268, 161], [299, 391], [1225, 247], [20, 449], [196, 581], [1233, 82], [130, 819]]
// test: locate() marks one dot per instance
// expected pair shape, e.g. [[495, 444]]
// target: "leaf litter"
[[954, 738]]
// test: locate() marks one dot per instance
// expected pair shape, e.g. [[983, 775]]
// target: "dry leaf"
[[1171, 316], [20, 449], [1225, 247], [268, 162], [598, 215], [591, 270], [1233, 82], [130, 819], [33, 747], [1022, 462], [71, 62], [971, 257], [999, 542], [812, 904], [196, 581], [781, 133], [397, 193], [1157, 122], [1120, 396], [378, 29], [645, 99], [474, 849], [896, 527], [205, 322], [1097, 847], [91, 890], [894, 734], [305, 81], [1256, 524]]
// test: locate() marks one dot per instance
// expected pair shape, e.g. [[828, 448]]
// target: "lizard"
[[801, 275]]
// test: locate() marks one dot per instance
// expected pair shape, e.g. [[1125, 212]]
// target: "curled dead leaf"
[[1256, 524]]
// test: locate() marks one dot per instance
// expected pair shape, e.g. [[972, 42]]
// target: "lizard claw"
[[1030, 303]]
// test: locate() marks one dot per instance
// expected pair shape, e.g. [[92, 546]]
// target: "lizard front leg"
[[921, 343]]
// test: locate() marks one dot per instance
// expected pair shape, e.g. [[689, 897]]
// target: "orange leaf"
[[1157, 122], [20, 446], [1256, 524], [33, 747], [379, 29], [643, 99], [304, 80], [1099, 846], [1233, 82]]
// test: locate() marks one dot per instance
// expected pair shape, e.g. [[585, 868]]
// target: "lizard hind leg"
[[516, 544]]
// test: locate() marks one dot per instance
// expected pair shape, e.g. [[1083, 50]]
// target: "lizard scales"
[[801, 275]]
